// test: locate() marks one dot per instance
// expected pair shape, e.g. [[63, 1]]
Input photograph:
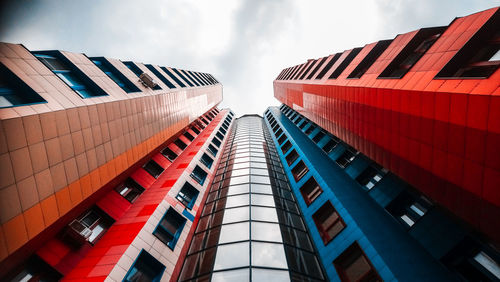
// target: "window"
[[408, 208], [348, 59], [195, 130], [219, 135], [310, 190], [115, 75], [172, 76], [14, 92], [303, 124], [353, 265], [318, 137], [317, 67], [370, 58], [328, 147], [282, 139], [180, 144], [207, 160], [286, 147], [278, 132], [153, 168], [299, 170], [310, 129], [290, 158], [328, 66], [91, 225], [169, 154], [212, 150], [145, 268], [160, 76], [188, 136], [216, 142], [137, 71], [183, 77], [308, 69], [187, 195], [204, 120], [170, 227], [412, 52], [130, 190], [328, 221], [371, 176], [70, 74], [190, 76], [35, 269], [346, 158], [199, 175]]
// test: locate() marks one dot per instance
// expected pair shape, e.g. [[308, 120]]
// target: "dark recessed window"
[[169, 154], [70, 74], [115, 75], [137, 71], [286, 147], [318, 136], [190, 76], [212, 150], [160, 76], [188, 136], [346, 158], [328, 66], [153, 168], [299, 170], [371, 176], [370, 58], [308, 69], [172, 76], [90, 226], [412, 52], [145, 268], [223, 131], [195, 130], [35, 269], [278, 132], [408, 208], [183, 77], [353, 265], [204, 121], [310, 129], [199, 175], [317, 68], [310, 190], [330, 145], [282, 139], [180, 144], [342, 66], [219, 135], [328, 221], [207, 160], [187, 195], [170, 227], [14, 92], [303, 124], [291, 157], [216, 142], [130, 190]]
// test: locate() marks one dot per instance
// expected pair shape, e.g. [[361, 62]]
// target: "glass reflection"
[[235, 215], [234, 232], [264, 214], [238, 189], [261, 188], [236, 201], [274, 275], [232, 255], [262, 200], [240, 275], [268, 255], [266, 232]]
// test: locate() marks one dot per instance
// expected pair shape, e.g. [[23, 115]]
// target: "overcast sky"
[[243, 43]]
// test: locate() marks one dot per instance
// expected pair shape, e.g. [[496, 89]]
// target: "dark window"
[[212, 150], [353, 265], [310, 129], [346, 158], [219, 135], [278, 132], [308, 69], [286, 147], [130, 190], [327, 220], [480, 56], [371, 176], [187, 195], [14, 92], [70, 74], [207, 160], [160, 76], [298, 120], [183, 77], [348, 59], [199, 175], [180, 144], [115, 75], [145, 268], [310, 190], [370, 58], [195, 130], [188, 136], [90, 226], [35, 269], [328, 66], [134, 68], [299, 170], [216, 142], [194, 79], [317, 67], [408, 208], [303, 124], [172, 76], [282, 139], [169, 154], [204, 121], [153, 168], [318, 137], [290, 158], [412, 52], [330, 145], [170, 227]]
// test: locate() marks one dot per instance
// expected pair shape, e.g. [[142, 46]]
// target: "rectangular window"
[[212, 150], [299, 170], [130, 190], [318, 137], [160, 76], [172, 76], [145, 268], [169, 154], [371, 176], [138, 72], [35, 269], [290, 158], [353, 265], [70, 74], [310, 129], [199, 175], [328, 66], [219, 135], [370, 58], [180, 144], [303, 124], [193, 128], [286, 147], [216, 142], [90, 226], [170, 227], [317, 68], [153, 168], [115, 75], [308, 69], [346, 158], [282, 139], [310, 190], [207, 160], [330, 145], [408, 208], [278, 132], [14, 92], [328, 222], [342, 66], [187, 195], [182, 76]]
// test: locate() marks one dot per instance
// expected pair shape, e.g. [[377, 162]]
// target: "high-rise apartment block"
[[380, 165]]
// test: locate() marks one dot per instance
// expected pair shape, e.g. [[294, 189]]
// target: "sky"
[[244, 43]]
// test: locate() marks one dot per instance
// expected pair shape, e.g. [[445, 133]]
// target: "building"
[[391, 151], [104, 163]]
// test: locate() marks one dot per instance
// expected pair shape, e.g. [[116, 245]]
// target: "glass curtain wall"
[[251, 228]]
